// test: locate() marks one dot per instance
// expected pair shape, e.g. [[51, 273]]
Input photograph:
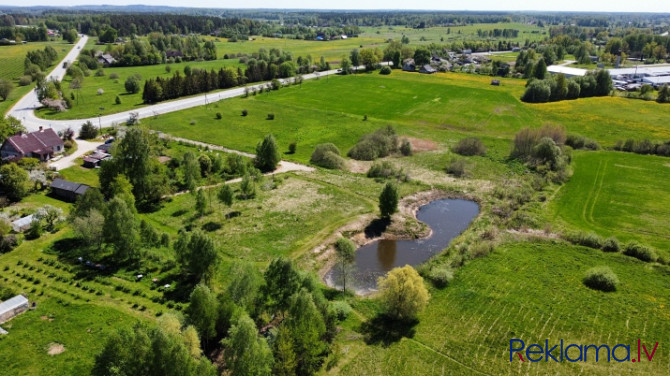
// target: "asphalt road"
[[24, 109]]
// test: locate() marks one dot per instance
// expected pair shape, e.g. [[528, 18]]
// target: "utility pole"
[[100, 119]]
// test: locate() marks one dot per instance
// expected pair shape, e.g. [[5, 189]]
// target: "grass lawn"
[[618, 194], [532, 292]]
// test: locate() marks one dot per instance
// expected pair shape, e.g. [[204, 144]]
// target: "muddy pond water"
[[446, 217]]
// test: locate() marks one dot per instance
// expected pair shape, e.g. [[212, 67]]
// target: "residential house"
[[427, 69], [409, 65], [67, 190], [106, 60], [42, 144]]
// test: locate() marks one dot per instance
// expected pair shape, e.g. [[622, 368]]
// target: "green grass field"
[[527, 288], [442, 35], [11, 67], [618, 194], [532, 292]]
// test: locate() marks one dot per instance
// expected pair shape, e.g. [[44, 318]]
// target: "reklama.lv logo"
[[578, 353]]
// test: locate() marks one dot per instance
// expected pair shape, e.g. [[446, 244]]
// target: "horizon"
[[570, 6]]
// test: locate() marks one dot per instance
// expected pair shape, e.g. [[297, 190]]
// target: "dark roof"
[[82, 189], [65, 185], [40, 142], [428, 68], [104, 147]]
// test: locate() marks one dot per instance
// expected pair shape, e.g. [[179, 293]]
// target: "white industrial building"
[[656, 75], [567, 71]]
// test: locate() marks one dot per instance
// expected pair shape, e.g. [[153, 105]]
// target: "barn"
[[67, 190]]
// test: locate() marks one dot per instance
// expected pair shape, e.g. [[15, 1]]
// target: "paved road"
[[24, 109]]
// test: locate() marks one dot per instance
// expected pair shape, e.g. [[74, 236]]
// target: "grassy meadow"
[[11, 67], [529, 287], [618, 194], [531, 291]]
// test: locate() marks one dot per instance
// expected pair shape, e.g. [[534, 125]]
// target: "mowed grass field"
[[618, 194], [11, 67], [439, 107], [527, 291]]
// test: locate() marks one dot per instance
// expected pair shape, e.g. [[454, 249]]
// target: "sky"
[[538, 5]]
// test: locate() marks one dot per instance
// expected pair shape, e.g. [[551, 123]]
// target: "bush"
[[342, 309], [457, 167], [245, 112], [386, 70], [100, 73], [132, 85], [25, 80], [271, 116], [375, 145], [327, 156], [640, 252], [590, 240], [292, 147], [601, 278], [577, 142], [611, 244], [219, 116], [470, 146], [117, 100], [441, 276], [406, 148], [385, 170], [114, 76], [88, 131]]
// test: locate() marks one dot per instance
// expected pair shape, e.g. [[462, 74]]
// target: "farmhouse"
[[67, 190], [42, 144], [106, 60], [13, 307]]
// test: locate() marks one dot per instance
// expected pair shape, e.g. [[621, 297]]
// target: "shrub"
[[385, 170], [590, 240], [88, 131], [601, 278], [470, 146], [406, 148], [245, 112], [25, 80], [441, 276], [342, 309], [292, 147], [577, 142], [640, 252], [100, 92], [100, 73], [375, 145], [385, 70], [219, 116], [117, 100], [271, 116], [327, 156], [132, 85], [611, 244], [457, 167]]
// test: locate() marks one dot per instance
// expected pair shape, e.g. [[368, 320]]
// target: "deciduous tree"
[[403, 293]]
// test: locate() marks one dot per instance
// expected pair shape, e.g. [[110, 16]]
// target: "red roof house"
[[42, 144]]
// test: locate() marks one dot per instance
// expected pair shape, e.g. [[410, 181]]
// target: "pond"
[[447, 218]]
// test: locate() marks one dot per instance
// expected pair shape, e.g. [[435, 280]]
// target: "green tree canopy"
[[14, 181], [267, 154], [403, 293], [388, 200], [246, 353], [197, 255]]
